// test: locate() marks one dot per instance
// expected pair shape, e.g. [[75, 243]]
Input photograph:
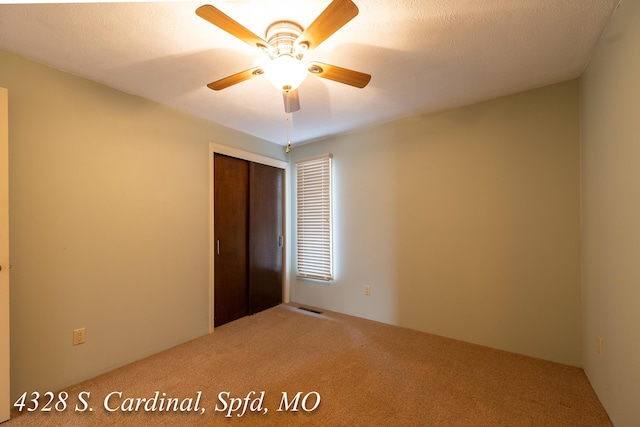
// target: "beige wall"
[[108, 222], [611, 216], [465, 224]]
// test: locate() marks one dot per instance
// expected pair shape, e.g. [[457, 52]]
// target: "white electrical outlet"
[[79, 336], [367, 290]]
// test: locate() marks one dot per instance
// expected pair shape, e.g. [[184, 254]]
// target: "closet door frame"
[[252, 157]]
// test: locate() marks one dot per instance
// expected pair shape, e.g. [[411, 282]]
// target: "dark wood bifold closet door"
[[231, 202], [265, 236]]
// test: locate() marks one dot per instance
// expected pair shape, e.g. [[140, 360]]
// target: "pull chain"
[[288, 149]]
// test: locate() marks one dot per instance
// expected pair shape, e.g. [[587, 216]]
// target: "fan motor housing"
[[281, 36]]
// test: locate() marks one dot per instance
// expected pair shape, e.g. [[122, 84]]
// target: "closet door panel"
[[265, 236], [231, 203]]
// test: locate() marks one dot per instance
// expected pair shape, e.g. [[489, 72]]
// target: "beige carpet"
[[366, 374]]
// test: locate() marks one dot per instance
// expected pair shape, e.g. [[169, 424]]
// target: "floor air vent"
[[310, 309]]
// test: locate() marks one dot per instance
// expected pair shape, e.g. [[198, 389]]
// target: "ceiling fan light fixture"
[[286, 72], [286, 43]]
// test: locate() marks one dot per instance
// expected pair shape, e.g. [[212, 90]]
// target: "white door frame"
[[5, 402], [256, 158]]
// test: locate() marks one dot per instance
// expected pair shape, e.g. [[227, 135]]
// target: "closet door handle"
[[218, 247], [280, 241]]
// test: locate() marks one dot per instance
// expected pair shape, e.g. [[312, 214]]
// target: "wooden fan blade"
[[291, 101], [337, 14], [236, 78], [224, 22], [339, 74]]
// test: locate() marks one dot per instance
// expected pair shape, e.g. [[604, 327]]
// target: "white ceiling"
[[424, 55]]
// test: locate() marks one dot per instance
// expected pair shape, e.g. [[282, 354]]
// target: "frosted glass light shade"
[[286, 72]]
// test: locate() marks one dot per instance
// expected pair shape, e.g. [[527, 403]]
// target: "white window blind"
[[315, 245]]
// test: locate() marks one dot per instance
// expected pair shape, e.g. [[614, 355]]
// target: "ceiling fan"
[[286, 43]]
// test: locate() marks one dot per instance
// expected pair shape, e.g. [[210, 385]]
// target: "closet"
[[248, 237]]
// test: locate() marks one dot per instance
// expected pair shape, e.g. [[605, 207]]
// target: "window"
[[315, 245]]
